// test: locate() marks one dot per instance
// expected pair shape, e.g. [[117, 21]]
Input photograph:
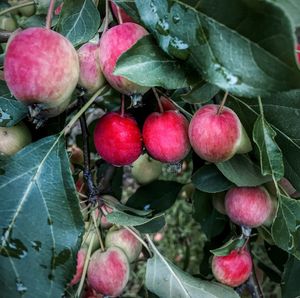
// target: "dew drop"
[[174, 168], [4, 117], [163, 27], [178, 48], [20, 287], [153, 7], [176, 18], [37, 245], [226, 74]]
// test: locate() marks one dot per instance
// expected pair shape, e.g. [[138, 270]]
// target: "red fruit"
[[233, 269], [108, 271], [41, 66], [118, 139], [57, 11], [79, 268], [248, 206], [114, 42], [165, 136], [124, 16], [217, 137], [90, 76]]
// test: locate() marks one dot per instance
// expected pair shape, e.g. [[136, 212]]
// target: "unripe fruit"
[[233, 269], [145, 169], [108, 271], [125, 17], [125, 240], [80, 263], [41, 66], [248, 206], [165, 136], [76, 155], [13, 139], [216, 137], [90, 76], [118, 139], [26, 11], [113, 43], [8, 23]]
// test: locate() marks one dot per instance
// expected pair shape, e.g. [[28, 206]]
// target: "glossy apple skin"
[[125, 240], [248, 206], [79, 267], [165, 136], [217, 137], [233, 269], [113, 43], [90, 76], [118, 139], [108, 271], [125, 17], [41, 66]]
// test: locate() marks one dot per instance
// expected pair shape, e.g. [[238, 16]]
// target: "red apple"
[[165, 136], [118, 139], [233, 269], [108, 271], [90, 76], [124, 16], [80, 264], [113, 43], [125, 240], [41, 66], [249, 206], [216, 137]]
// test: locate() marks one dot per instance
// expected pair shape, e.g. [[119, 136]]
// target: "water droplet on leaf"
[[178, 48], [163, 26]]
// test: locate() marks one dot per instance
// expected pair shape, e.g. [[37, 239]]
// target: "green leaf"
[[285, 228], [242, 171], [158, 196], [212, 222], [201, 93], [243, 48], [271, 161], [42, 6], [209, 179], [40, 221], [79, 21], [130, 8], [290, 284], [167, 280], [230, 245], [147, 65]]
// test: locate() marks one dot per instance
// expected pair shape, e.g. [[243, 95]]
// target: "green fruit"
[[26, 11], [8, 23], [13, 139], [145, 169]]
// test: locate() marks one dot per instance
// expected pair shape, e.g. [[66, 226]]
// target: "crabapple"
[[76, 155], [248, 206], [26, 11], [216, 136], [79, 267], [125, 240], [108, 271], [118, 139], [8, 23], [124, 16], [90, 76], [41, 67], [13, 139], [145, 169], [113, 43], [165, 136], [233, 269]]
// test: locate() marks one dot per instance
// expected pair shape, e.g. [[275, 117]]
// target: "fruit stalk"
[[50, 14]]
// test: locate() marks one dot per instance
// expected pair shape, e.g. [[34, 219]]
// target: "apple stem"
[[106, 19], [119, 15], [50, 14], [222, 103], [96, 224], [123, 105], [161, 109]]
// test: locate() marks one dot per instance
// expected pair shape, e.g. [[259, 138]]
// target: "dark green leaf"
[[201, 93], [79, 21], [147, 65], [242, 171], [40, 221], [209, 179], [271, 162], [230, 245], [152, 226], [290, 283], [243, 48], [129, 7], [158, 196], [42, 6]]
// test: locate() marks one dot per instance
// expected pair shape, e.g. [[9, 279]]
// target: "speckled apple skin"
[[118, 139], [165, 136], [215, 137], [125, 17], [233, 269], [248, 206], [90, 75], [79, 268], [41, 66], [108, 271], [126, 241], [113, 43]]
